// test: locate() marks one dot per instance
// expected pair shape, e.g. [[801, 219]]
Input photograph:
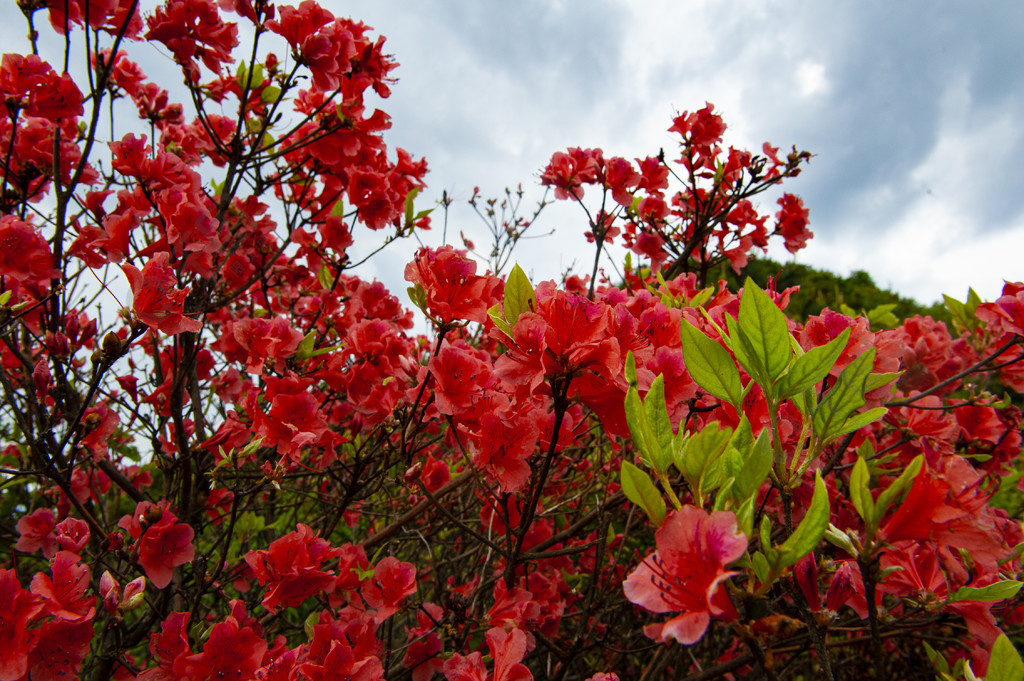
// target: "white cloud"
[[810, 78]]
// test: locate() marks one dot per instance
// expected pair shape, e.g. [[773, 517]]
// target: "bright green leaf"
[[305, 349], [755, 469], [519, 296], [858, 421], [845, 397], [1000, 591], [860, 495], [761, 567], [875, 381], [764, 326], [812, 367], [1004, 664], [656, 414], [270, 94], [630, 368], [896, 489], [745, 354], [409, 198], [641, 490], [325, 277], [699, 460], [808, 534], [710, 365], [499, 320]]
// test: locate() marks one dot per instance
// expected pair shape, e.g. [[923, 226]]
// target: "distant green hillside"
[[820, 289]]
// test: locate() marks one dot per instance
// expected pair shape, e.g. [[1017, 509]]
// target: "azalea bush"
[[227, 455]]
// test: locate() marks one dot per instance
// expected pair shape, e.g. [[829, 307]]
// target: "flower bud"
[[112, 346]]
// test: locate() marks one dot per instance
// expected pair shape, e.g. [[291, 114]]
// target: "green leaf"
[[700, 297], [270, 94], [305, 349], [519, 296], [710, 365], [325, 277], [765, 532], [645, 440], [641, 490], [1004, 664], [896, 489], [755, 469], [875, 381], [845, 397], [656, 414], [1000, 591], [808, 534], [766, 331], [938, 661], [813, 366], [630, 369], [418, 296], [309, 623], [858, 421], [499, 320], [860, 495], [699, 459], [744, 353], [5, 297], [761, 568], [745, 516], [882, 317], [338, 209]]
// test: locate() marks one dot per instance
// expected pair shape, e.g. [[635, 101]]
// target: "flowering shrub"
[[648, 478]]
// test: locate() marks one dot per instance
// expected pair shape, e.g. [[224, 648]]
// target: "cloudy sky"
[[914, 111]]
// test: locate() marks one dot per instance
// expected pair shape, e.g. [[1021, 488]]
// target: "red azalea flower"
[[340, 664], [72, 535], [36, 530], [392, 581], [461, 379], [792, 222], [291, 568], [31, 84], [1006, 315], [502, 447], [61, 650], [66, 594], [231, 652], [163, 543], [191, 29], [155, 300], [24, 253], [685, 573], [465, 668], [170, 648], [18, 608], [508, 648], [454, 290]]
